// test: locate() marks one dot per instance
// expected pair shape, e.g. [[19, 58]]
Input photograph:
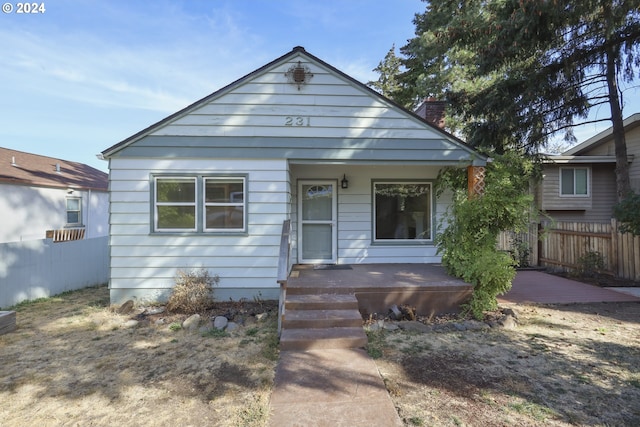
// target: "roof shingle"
[[17, 167]]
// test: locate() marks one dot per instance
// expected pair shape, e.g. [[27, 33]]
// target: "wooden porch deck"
[[377, 287]]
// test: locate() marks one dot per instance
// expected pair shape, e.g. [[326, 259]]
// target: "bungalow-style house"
[[580, 184], [40, 194], [211, 185]]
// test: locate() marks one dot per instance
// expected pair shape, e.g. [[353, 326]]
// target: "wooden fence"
[[65, 234], [561, 245]]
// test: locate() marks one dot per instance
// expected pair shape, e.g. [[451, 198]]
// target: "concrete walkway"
[[540, 287], [333, 388], [336, 388]]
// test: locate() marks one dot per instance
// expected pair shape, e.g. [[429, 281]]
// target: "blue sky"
[[84, 75]]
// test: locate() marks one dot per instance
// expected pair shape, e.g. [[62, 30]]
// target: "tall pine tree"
[[517, 72], [388, 70]]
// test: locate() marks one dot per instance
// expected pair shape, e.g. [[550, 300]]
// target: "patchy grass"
[[564, 365], [71, 361]]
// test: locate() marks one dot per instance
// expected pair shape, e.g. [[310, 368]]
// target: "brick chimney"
[[432, 111]]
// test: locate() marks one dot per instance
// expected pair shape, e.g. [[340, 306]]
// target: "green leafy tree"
[[516, 72], [471, 227]]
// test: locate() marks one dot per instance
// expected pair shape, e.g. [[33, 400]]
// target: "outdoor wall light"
[[345, 182]]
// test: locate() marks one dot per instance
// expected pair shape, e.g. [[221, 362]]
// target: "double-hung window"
[[199, 204], [224, 204], [74, 211], [402, 211], [175, 204], [574, 182]]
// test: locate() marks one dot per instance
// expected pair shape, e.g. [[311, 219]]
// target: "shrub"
[[193, 291], [590, 264], [468, 242], [627, 213], [520, 251]]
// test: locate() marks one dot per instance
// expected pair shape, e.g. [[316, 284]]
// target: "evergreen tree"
[[516, 72], [389, 70]]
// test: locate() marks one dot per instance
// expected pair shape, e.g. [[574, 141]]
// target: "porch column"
[[475, 180]]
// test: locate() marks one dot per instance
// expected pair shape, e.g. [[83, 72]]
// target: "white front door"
[[317, 212]]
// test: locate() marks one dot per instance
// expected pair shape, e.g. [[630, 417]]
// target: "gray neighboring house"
[[580, 184], [210, 186]]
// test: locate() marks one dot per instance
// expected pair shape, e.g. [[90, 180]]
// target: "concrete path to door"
[[343, 387], [543, 288], [332, 388]]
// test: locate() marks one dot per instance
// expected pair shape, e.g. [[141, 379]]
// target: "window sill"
[[403, 243], [199, 233]]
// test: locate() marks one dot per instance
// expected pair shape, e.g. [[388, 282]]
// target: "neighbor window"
[[574, 181], [402, 211], [199, 204], [74, 211]]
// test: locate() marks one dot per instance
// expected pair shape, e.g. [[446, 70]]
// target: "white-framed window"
[[195, 204], [224, 204], [402, 211], [574, 182], [74, 211], [175, 204]]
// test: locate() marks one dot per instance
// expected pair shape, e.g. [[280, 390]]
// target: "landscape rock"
[[444, 327], [391, 327], [414, 326], [232, 326], [508, 322], [220, 322], [375, 326], [155, 310], [395, 313], [510, 312], [130, 324], [474, 325], [191, 323], [459, 326], [126, 307]]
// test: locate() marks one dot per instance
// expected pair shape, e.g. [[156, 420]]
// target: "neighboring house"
[[580, 184], [39, 193], [211, 185]]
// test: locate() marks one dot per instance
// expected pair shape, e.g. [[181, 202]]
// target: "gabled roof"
[[604, 136], [298, 50], [20, 168]]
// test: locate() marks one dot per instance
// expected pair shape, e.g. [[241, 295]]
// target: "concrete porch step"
[[315, 319], [321, 302], [325, 338]]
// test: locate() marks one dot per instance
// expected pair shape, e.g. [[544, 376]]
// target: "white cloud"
[[198, 56]]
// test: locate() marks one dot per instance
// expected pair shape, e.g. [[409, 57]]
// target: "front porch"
[[427, 287], [324, 305]]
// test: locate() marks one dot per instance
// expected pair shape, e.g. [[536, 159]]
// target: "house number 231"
[[297, 121]]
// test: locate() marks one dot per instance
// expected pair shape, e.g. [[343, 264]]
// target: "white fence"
[[40, 268]]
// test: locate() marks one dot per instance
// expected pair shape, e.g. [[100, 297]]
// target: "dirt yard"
[[562, 365], [74, 362]]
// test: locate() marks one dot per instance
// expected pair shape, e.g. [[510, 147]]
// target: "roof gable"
[[606, 136], [270, 103], [20, 168]]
